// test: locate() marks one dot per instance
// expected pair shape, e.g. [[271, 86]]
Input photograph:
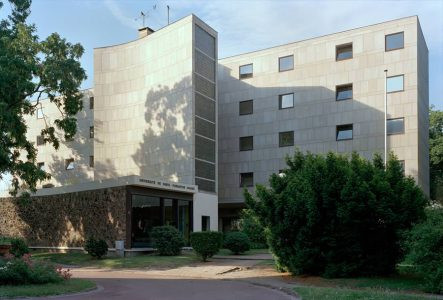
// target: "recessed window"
[[91, 102], [344, 132], [91, 132], [206, 223], [40, 140], [40, 113], [41, 166], [286, 63], [246, 179], [286, 101], [402, 165], [343, 92], [343, 52], [395, 84], [246, 143], [246, 71], [286, 139], [395, 126], [69, 164], [246, 107], [91, 161], [394, 41]]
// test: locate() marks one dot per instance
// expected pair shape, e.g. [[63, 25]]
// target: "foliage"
[[236, 241], [436, 153], [18, 247], [250, 225], [425, 244], [96, 248], [31, 69], [23, 270], [4, 240], [167, 240], [336, 216], [206, 243]]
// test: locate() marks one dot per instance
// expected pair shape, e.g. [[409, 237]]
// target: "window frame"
[[337, 131], [207, 221], [391, 34], [68, 162], [240, 143], [337, 47], [91, 102], [395, 133], [280, 145], [239, 107], [40, 140], [337, 87], [91, 161], [247, 75], [403, 84], [91, 132], [244, 174], [279, 63], [280, 97], [41, 165]]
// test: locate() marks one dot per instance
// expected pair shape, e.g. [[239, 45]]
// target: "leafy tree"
[[334, 216], [30, 69], [436, 152], [250, 225]]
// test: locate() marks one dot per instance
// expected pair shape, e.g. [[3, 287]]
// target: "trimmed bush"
[[250, 225], [337, 216], [167, 240], [425, 244], [237, 242], [206, 243], [96, 248], [18, 247]]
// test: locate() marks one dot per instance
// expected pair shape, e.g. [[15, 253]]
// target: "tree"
[[29, 70], [336, 216], [436, 152]]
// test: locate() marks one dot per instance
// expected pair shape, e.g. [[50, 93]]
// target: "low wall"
[[66, 219]]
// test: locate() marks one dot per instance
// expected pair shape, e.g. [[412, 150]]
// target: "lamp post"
[[386, 116]]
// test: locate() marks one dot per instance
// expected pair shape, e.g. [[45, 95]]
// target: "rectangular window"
[[344, 132], [40, 140], [91, 161], [206, 225], [286, 139], [91, 132], [394, 41], [343, 92], [395, 126], [91, 102], [245, 71], [69, 164], [41, 166], [246, 107], [286, 63], [402, 164], [40, 113], [343, 52], [395, 84], [246, 143], [286, 101], [246, 179]]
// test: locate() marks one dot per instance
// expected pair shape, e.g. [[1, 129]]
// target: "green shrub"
[[250, 225], [18, 247], [167, 240], [5, 240], [206, 243], [334, 215], [425, 244], [237, 242], [96, 248]]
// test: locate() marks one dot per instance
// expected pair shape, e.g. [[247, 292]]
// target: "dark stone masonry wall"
[[66, 219]]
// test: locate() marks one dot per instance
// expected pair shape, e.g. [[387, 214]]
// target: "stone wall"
[[66, 219]]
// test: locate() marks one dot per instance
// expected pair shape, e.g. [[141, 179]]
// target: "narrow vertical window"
[[91, 132], [91, 161], [91, 102], [206, 223], [40, 113]]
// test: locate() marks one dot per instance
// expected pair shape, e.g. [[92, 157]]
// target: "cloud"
[[118, 13]]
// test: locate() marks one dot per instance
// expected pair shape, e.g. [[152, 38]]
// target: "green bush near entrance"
[[167, 240], [236, 241], [96, 248], [206, 243]]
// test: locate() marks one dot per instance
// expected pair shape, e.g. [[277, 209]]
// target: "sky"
[[242, 25]]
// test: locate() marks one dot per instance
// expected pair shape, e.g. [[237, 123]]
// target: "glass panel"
[[246, 179], [206, 224], [394, 41], [394, 84], [246, 71], [204, 128], [184, 219], [344, 92], [286, 139], [344, 132], [344, 52], [69, 164], [286, 101], [246, 143], [168, 206], [395, 126], [204, 41], [246, 107], [204, 169], [204, 149], [205, 185], [146, 214], [204, 107], [286, 63]]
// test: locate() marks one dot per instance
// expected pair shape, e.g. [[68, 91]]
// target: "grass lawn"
[[141, 261], [37, 290], [250, 252]]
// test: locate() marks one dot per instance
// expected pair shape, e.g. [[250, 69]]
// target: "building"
[[170, 134]]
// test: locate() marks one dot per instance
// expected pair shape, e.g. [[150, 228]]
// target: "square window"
[[343, 92], [286, 63], [206, 223], [41, 166], [91, 132], [395, 84], [40, 140], [69, 164], [246, 107], [246, 179], [91, 161], [246, 143], [286, 139], [343, 52], [344, 132], [395, 126], [40, 113], [246, 71], [91, 102], [286, 101], [394, 41]]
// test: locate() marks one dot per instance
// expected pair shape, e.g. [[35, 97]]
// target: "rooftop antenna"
[[168, 13], [142, 16]]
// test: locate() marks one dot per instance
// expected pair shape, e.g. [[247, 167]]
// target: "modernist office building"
[[182, 132]]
